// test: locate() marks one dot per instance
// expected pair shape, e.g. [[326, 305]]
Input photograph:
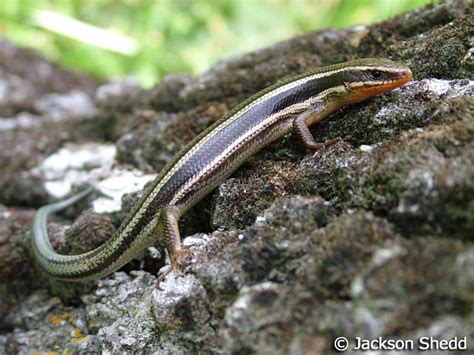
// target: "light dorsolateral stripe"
[[236, 116], [212, 156], [300, 107]]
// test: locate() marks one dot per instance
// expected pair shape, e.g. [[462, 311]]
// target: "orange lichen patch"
[[59, 319], [56, 320], [76, 333]]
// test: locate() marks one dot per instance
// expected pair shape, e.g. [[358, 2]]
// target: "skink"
[[289, 105]]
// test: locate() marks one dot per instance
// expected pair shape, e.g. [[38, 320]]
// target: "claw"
[[176, 263], [332, 142]]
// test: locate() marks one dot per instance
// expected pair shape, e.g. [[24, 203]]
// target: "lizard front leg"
[[301, 123]]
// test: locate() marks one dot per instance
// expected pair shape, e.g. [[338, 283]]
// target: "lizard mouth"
[[362, 93]]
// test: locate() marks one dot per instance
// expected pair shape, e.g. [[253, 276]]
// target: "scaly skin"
[[289, 105]]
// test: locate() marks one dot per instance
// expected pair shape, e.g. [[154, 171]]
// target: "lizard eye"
[[376, 74]]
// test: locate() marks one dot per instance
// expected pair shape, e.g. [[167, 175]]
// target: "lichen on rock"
[[371, 237]]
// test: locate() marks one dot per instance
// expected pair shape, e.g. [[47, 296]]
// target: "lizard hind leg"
[[169, 217]]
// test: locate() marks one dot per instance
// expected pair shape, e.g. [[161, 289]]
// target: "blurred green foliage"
[[181, 35]]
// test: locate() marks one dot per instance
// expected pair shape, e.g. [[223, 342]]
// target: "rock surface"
[[371, 237]]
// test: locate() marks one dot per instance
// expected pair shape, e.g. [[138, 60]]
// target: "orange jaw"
[[363, 93]]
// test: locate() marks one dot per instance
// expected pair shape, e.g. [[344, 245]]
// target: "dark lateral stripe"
[[209, 181], [216, 153]]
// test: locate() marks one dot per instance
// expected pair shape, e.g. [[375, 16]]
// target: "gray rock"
[[370, 238]]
